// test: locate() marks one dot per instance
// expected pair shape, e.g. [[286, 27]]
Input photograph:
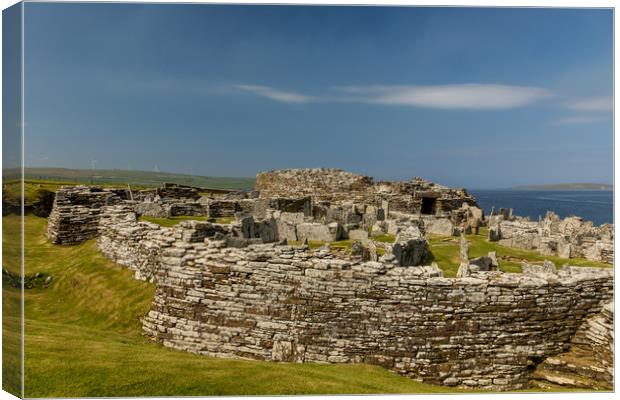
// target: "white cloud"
[[276, 95], [591, 104], [472, 96], [579, 119]]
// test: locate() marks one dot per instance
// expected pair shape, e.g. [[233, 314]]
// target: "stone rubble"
[[336, 186], [552, 236]]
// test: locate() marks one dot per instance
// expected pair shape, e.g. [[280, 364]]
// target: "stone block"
[[319, 232], [439, 226], [358, 234]]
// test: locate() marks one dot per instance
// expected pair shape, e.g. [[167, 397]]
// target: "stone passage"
[[589, 363]]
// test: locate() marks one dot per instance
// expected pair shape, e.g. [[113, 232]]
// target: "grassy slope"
[[138, 178], [83, 339], [11, 307]]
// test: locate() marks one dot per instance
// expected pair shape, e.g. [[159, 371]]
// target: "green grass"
[[384, 238], [445, 252], [11, 306], [223, 220], [83, 339], [11, 333], [171, 221]]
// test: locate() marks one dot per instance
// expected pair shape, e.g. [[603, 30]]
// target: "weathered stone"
[[464, 250], [552, 236], [439, 226], [358, 234], [411, 248], [337, 186], [483, 263], [319, 232]]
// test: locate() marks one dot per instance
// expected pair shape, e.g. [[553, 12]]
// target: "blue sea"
[[591, 205]]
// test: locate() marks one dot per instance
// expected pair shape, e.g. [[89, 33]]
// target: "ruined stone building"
[[252, 287], [336, 186], [570, 237]]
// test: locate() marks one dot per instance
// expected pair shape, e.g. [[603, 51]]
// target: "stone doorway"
[[428, 205]]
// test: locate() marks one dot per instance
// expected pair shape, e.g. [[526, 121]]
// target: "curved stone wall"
[[283, 303]]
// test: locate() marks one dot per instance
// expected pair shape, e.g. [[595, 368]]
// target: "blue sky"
[[463, 96]]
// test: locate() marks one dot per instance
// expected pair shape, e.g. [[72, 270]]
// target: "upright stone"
[[386, 208], [494, 233], [464, 250]]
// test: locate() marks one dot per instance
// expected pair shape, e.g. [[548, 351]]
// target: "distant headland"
[[566, 186]]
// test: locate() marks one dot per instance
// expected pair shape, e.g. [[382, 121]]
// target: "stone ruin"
[[334, 186], [253, 288], [570, 237], [76, 211]]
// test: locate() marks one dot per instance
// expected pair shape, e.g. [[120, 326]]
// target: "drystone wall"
[[76, 211], [568, 238], [167, 191], [142, 246], [597, 336], [337, 186], [219, 207], [281, 303]]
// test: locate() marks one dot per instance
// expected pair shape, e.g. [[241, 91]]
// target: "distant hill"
[[567, 186], [137, 178]]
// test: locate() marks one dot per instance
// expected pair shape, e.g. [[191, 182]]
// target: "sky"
[[468, 97]]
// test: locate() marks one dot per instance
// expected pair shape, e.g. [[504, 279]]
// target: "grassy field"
[[123, 177], [83, 339]]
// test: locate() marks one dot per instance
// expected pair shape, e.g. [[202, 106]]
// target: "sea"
[[591, 205]]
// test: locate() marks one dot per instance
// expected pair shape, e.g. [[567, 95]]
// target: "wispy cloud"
[[591, 104], [471, 96], [579, 119], [276, 95]]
